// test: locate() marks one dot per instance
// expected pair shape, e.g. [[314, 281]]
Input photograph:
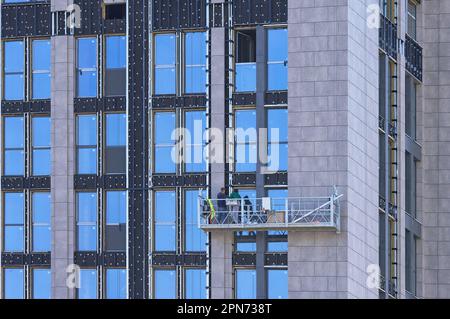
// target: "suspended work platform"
[[269, 213]]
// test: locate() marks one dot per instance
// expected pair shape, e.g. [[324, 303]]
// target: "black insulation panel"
[[178, 14], [252, 12], [26, 19]]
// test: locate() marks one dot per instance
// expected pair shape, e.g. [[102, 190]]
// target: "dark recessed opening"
[[115, 11], [246, 46]]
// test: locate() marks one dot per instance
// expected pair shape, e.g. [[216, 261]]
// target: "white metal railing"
[[269, 213]]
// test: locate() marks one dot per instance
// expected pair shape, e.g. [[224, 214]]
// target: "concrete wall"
[[63, 159], [221, 241], [436, 162], [333, 140]]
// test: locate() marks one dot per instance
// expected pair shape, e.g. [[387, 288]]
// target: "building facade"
[[99, 199]]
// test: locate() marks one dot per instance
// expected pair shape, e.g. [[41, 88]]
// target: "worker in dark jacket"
[[248, 208], [221, 205]]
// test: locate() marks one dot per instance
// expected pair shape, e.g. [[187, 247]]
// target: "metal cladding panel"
[[138, 149], [21, 20], [179, 14], [259, 12]]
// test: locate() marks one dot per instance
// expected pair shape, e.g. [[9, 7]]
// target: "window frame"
[[77, 223], [105, 144], [410, 15], [235, 63], [184, 279], [33, 148], [23, 73], [4, 225], [105, 218], [3, 282], [5, 149], [185, 66], [104, 63], [32, 72], [78, 69], [155, 223], [105, 282], [86, 147], [267, 271], [192, 146], [175, 66], [154, 145], [33, 224], [235, 281], [32, 283], [185, 223], [154, 283], [97, 282], [268, 63], [249, 144], [280, 143]]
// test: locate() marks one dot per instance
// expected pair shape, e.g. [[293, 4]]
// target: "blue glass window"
[[14, 222], [277, 126], [245, 246], [165, 220], [246, 241], [41, 127], [42, 231], [165, 125], [195, 238], [87, 221], [195, 283], [14, 78], [165, 63], [165, 284], [41, 69], [116, 54], [116, 284], [277, 59], [245, 284], [277, 284], [116, 63], [278, 197], [88, 284], [195, 141], [277, 246], [278, 202], [14, 283], [42, 284], [195, 62], [245, 141], [87, 67], [87, 144], [14, 154], [116, 220], [115, 151], [245, 61]]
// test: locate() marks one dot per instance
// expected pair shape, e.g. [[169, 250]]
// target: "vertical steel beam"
[[137, 181], [261, 61]]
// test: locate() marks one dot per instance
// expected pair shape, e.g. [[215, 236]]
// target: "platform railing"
[[269, 213]]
